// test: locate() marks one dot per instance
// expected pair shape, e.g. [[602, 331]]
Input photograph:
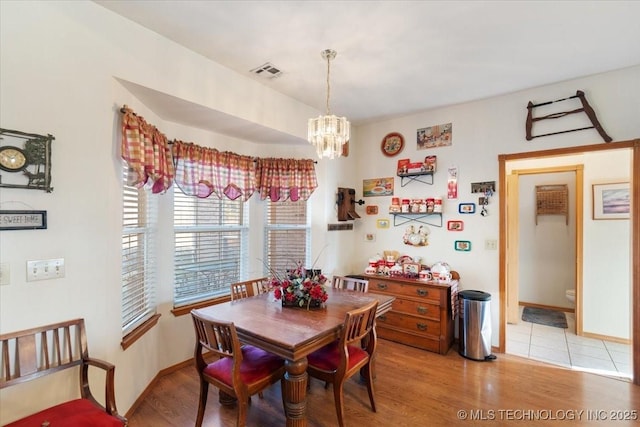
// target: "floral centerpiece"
[[305, 288]]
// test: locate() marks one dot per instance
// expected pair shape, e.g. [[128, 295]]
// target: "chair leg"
[[339, 401], [242, 412], [202, 404], [369, 380]]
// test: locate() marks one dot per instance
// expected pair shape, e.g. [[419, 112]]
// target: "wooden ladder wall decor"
[[586, 108]]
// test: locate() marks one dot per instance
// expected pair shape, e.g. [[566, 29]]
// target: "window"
[[139, 212], [210, 241], [287, 235]]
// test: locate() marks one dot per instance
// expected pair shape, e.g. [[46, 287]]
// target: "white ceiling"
[[398, 57]]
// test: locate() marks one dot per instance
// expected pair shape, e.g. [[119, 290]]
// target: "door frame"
[[634, 145], [513, 239]]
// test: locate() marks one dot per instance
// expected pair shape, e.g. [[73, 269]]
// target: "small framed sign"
[[455, 225], [467, 208], [23, 220], [462, 245]]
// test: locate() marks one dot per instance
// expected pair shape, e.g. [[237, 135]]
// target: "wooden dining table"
[[293, 333]]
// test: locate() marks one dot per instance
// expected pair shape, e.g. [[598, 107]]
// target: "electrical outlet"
[[5, 273], [491, 245], [45, 269]]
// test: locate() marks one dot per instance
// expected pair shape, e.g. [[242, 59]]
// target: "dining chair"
[[238, 373], [248, 288], [352, 283], [340, 360]]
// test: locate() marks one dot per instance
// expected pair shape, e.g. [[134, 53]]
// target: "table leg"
[[294, 392]]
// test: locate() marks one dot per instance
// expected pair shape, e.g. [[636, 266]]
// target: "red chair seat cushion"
[[75, 413], [256, 365], [328, 357]]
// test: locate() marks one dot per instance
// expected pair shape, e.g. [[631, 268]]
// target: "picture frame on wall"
[[455, 225], [467, 208], [377, 187], [382, 223], [611, 201], [462, 245]]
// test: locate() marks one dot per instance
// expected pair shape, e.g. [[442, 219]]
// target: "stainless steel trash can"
[[474, 340]]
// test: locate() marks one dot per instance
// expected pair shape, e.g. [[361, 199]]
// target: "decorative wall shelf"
[[434, 218], [420, 177]]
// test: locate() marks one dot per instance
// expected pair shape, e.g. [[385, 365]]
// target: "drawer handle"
[[422, 292], [382, 286], [382, 318], [422, 310], [422, 326]]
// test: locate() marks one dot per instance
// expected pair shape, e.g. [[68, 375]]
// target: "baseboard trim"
[[550, 307], [606, 338], [152, 383]]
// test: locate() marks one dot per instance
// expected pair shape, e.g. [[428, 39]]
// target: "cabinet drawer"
[[410, 290], [418, 308], [417, 325], [407, 338]]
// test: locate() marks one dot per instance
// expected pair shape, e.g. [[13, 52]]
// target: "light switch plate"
[[5, 273], [45, 269]]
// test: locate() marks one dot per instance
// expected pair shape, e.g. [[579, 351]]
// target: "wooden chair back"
[[36, 352], [221, 338], [351, 283], [248, 288], [358, 325]]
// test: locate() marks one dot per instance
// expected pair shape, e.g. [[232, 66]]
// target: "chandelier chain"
[[328, 83]]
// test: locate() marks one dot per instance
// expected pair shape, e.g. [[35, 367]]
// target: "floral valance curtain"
[[202, 171], [282, 179], [146, 152]]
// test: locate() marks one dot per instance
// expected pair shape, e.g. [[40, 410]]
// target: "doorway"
[[508, 262], [545, 277]]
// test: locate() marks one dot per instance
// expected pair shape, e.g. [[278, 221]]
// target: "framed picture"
[[392, 144], [462, 245], [372, 210], [23, 220], [611, 201], [411, 269], [467, 208], [369, 237], [377, 187], [382, 223], [434, 136], [455, 225], [483, 187]]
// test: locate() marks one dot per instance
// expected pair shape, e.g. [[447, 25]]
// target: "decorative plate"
[[392, 144]]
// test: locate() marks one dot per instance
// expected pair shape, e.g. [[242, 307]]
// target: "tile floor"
[[563, 347]]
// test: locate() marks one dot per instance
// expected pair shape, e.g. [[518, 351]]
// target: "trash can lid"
[[474, 295]]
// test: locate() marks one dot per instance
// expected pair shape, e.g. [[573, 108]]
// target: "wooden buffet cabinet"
[[421, 315]]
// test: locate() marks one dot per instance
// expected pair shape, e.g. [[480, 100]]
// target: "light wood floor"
[[418, 388]]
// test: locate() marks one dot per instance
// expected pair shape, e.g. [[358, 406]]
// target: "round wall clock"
[[12, 159], [392, 144]]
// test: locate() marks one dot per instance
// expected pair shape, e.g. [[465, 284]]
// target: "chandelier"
[[328, 133]]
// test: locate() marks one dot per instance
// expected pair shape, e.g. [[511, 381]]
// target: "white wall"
[[58, 67], [483, 130]]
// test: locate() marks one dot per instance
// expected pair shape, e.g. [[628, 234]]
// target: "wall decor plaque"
[[25, 160], [23, 220]]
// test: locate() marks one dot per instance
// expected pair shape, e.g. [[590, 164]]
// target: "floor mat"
[[545, 316]]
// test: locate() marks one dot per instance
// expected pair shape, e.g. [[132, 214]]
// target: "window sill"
[[137, 333], [186, 309]]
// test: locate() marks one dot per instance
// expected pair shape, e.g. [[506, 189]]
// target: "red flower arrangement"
[[301, 288]]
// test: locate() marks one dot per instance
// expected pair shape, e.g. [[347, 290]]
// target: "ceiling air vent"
[[267, 71]]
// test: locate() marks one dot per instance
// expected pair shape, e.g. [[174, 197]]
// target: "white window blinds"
[[287, 235], [210, 241], [138, 256]]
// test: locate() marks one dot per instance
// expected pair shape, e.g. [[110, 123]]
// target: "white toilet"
[[571, 295]]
